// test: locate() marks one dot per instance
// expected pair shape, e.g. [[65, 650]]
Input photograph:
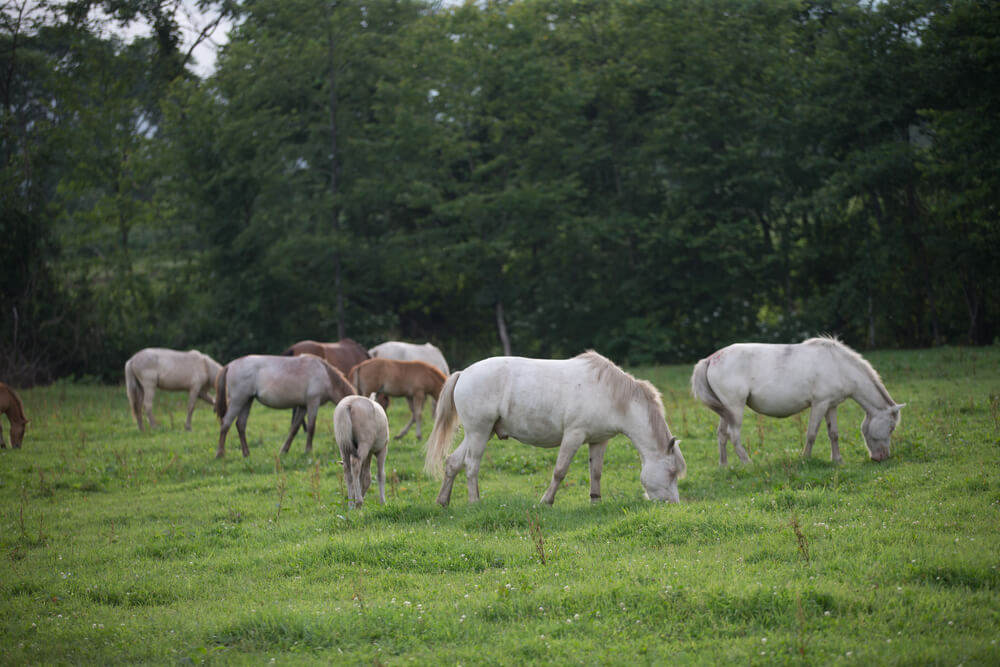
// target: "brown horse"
[[413, 379], [302, 383], [11, 405], [343, 355]]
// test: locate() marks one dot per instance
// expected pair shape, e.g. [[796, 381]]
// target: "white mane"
[[833, 343], [626, 388]]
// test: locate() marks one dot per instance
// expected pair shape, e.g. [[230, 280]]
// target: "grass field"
[[127, 547]]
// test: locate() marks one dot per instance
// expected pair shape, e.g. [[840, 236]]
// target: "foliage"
[[652, 180], [120, 546]]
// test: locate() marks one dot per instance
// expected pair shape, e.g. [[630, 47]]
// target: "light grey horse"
[[155, 368], [362, 431], [302, 383]]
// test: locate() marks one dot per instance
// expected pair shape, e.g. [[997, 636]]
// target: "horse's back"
[[534, 400], [773, 379], [402, 351]]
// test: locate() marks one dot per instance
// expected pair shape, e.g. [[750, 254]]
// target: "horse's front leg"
[[571, 442], [313, 410], [192, 399], [298, 415], [815, 417], [831, 430], [414, 418], [596, 467]]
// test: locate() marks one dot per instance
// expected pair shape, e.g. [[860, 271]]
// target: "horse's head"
[[659, 477], [17, 434], [877, 429]]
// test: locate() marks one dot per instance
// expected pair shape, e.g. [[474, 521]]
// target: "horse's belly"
[[539, 434], [777, 404]]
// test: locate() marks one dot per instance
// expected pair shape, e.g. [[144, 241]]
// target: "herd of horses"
[[547, 403]]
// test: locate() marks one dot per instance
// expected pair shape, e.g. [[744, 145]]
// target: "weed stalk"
[[282, 485], [535, 531], [800, 538]]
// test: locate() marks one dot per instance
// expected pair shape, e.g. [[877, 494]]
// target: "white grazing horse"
[[302, 383], [401, 351], [553, 403], [362, 430], [783, 380], [159, 368]]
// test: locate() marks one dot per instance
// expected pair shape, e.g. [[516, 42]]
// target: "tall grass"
[[119, 546]]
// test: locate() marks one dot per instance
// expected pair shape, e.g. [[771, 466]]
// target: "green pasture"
[[125, 547]]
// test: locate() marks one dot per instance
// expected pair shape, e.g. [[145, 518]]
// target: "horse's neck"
[[14, 410], [868, 390]]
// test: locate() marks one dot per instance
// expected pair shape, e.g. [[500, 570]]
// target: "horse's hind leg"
[[298, 415], [596, 467], [735, 426], [227, 422], [241, 427], [147, 403], [380, 473]]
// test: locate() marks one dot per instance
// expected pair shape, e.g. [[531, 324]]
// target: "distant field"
[[125, 547]]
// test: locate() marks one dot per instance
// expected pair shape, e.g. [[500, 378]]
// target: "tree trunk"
[[502, 329], [338, 284]]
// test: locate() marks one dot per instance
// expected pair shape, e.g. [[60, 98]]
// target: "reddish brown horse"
[[343, 355], [11, 405], [414, 379]]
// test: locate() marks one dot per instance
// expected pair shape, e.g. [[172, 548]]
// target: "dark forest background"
[[650, 179]]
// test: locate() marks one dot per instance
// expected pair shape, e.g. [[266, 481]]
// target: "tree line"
[[649, 179]]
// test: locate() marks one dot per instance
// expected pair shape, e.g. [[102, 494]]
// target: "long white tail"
[[701, 389], [134, 391], [445, 424]]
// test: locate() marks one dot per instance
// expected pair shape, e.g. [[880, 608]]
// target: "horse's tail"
[[221, 402], [445, 424], [701, 388], [135, 394], [343, 429]]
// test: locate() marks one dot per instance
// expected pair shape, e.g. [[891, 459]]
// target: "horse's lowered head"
[[17, 433], [877, 430], [659, 476]]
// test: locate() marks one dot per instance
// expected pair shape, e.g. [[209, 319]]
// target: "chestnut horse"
[[343, 355], [302, 383], [11, 405], [414, 379]]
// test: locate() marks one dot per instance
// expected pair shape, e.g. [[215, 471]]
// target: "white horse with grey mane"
[[400, 351], [553, 403], [783, 380], [155, 368]]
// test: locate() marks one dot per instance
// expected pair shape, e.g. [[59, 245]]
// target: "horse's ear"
[[671, 444], [896, 408]]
